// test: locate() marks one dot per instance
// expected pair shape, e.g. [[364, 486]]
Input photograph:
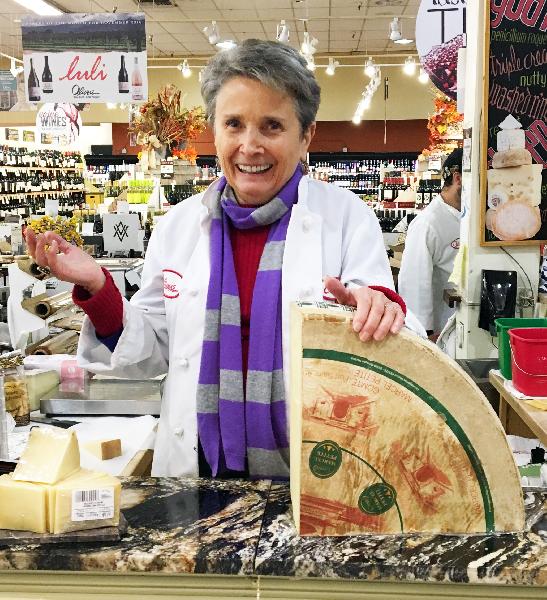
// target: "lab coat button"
[[193, 292], [306, 224], [179, 432], [306, 293], [184, 363]]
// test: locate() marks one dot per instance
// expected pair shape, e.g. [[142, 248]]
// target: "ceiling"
[[343, 27]]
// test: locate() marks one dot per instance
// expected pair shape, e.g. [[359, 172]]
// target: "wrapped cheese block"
[[391, 436]]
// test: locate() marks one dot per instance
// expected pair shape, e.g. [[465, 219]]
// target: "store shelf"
[[12, 168], [42, 193]]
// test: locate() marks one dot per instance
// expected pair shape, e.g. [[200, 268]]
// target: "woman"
[[221, 269]]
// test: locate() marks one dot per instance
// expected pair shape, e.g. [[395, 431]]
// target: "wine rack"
[[30, 177]]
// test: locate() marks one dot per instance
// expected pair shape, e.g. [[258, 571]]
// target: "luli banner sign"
[[440, 31], [514, 178], [85, 58]]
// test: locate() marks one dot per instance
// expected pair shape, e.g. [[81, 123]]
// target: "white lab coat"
[[431, 245], [331, 232]]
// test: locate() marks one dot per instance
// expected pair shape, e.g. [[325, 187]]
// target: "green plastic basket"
[[504, 348]]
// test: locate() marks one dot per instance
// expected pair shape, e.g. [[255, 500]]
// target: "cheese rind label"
[[92, 504]]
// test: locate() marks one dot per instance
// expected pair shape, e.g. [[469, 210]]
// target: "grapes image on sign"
[[440, 31]]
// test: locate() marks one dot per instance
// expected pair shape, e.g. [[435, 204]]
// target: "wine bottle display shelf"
[[5, 168], [42, 193]]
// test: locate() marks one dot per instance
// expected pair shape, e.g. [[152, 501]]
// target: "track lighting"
[[395, 33], [14, 68], [370, 68], [212, 33], [226, 44], [409, 68], [185, 69], [423, 77], [282, 32], [308, 45], [332, 66]]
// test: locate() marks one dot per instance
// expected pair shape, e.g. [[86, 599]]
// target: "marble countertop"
[[245, 528]]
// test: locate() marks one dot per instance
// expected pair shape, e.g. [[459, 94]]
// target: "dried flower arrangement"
[[163, 122]]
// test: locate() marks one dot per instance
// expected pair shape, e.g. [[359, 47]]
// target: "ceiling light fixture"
[[366, 96], [39, 7], [212, 33], [282, 34], [331, 66], [226, 44], [409, 68], [370, 68], [14, 68], [185, 69], [308, 45], [395, 32], [423, 77], [311, 63]]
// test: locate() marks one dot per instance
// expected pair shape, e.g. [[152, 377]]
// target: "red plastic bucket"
[[529, 360]]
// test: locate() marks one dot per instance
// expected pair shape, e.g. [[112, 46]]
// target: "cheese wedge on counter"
[[23, 505], [391, 436], [104, 449], [39, 382], [51, 454], [86, 500]]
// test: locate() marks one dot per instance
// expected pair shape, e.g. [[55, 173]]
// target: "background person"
[[222, 268], [431, 245]]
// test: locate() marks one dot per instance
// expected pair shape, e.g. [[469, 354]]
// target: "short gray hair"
[[275, 65]]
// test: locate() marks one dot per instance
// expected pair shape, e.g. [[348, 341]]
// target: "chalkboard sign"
[[513, 178]]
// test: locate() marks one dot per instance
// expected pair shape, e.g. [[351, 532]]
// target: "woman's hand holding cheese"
[[65, 261], [376, 315]]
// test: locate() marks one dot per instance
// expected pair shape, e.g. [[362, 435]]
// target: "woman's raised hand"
[[65, 261]]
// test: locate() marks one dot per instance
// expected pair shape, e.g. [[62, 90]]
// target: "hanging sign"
[[58, 123], [440, 32], [514, 142], [85, 58]]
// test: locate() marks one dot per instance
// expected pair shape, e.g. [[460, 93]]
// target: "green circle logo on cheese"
[[377, 498], [325, 459]]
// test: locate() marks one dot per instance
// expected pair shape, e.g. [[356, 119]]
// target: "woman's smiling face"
[[258, 139]]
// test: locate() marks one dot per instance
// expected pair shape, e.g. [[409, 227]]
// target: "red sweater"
[[105, 309]]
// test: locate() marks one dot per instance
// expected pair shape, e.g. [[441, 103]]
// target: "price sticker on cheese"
[[93, 505]]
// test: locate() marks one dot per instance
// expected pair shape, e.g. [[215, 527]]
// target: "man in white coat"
[[431, 245]]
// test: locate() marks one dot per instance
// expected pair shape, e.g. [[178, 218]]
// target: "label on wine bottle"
[[47, 86], [123, 87], [137, 92], [34, 93]]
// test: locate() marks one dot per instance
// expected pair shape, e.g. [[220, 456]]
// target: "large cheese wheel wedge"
[[391, 436]]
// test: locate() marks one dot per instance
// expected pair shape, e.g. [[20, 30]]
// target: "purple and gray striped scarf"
[[234, 424]]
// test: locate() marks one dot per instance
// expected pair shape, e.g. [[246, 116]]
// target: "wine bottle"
[[123, 79], [47, 78], [136, 81], [33, 85]]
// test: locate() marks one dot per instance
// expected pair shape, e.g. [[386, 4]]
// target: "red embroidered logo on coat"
[[456, 244], [171, 280]]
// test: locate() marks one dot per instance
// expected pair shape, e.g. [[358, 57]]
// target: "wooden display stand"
[[518, 417]]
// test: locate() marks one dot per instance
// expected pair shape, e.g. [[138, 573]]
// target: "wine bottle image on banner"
[[33, 85], [47, 78], [123, 79], [136, 81]]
